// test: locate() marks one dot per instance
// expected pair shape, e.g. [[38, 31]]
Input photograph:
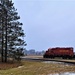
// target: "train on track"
[[65, 53]]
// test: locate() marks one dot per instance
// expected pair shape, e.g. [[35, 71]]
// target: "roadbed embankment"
[[40, 58]]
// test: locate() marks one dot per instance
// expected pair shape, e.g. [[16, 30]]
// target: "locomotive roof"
[[62, 48]]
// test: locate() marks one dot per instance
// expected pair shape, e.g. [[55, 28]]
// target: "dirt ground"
[[33, 56]]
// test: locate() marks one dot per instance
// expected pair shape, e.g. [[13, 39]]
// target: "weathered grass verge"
[[9, 65], [37, 68]]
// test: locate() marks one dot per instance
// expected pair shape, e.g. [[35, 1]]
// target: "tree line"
[[11, 32]]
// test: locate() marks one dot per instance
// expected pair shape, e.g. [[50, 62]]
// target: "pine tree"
[[11, 32]]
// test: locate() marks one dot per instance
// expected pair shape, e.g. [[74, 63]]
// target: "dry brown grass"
[[34, 68], [39, 68], [9, 65]]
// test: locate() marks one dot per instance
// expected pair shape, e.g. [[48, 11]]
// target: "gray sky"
[[47, 23]]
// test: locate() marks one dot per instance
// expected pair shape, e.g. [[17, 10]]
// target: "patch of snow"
[[20, 66], [66, 73]]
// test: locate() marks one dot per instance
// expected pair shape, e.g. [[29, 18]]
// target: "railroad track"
[[47, 59]]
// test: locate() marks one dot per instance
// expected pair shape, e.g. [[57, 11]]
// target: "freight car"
[[59, 52]]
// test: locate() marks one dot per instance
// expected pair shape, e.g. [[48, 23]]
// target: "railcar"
[[64, 53]]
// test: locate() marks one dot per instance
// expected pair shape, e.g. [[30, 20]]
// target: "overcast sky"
[[47, 23]]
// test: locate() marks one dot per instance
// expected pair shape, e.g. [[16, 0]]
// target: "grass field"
[[37, 68]]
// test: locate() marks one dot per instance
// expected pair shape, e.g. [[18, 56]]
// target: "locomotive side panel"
[[63, 51], [59, 52]]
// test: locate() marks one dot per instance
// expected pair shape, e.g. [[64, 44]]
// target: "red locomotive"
[[59, 52]]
